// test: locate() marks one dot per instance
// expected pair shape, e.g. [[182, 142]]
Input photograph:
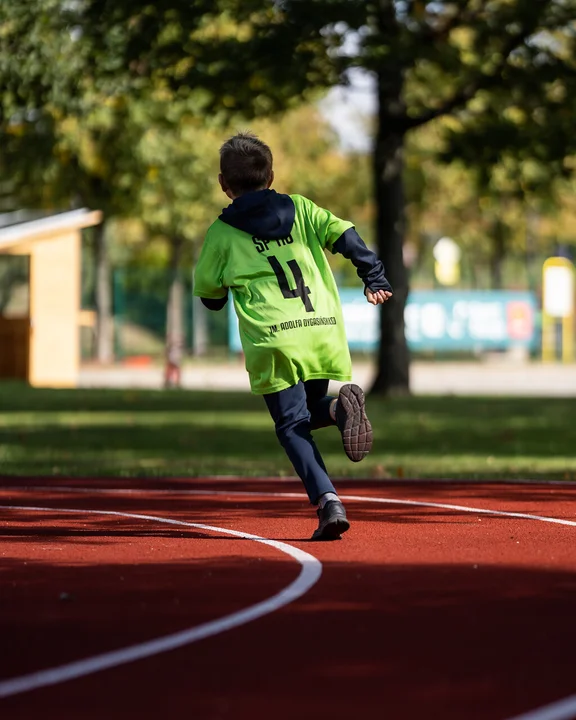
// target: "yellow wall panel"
[[54, 310]]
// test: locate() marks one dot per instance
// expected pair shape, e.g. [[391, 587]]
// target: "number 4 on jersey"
[[302, 290]]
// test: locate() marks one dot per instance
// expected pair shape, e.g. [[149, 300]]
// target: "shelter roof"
[[25, 225]]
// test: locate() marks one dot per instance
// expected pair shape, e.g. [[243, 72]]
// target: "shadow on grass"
[[178, 440], [18, 397], [242, 439]]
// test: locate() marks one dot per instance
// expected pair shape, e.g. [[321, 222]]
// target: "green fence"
[[139, 301]]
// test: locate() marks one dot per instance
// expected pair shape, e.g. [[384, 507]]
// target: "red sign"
[[520, 320]]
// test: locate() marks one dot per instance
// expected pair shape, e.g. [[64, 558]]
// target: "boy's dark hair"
[[245, 163]]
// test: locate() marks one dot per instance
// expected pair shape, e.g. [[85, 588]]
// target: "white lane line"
[[561, 710], [301, 496], [462, 508], [309, 574]]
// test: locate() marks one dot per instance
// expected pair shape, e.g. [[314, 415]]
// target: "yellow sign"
[[447, 266], [558, 308]]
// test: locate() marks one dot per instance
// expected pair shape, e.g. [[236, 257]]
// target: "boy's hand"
[[378, 297]]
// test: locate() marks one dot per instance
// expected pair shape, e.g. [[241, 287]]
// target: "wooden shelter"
[[40, 342]]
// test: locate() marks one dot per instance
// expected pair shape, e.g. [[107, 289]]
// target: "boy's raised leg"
[[353, 423]]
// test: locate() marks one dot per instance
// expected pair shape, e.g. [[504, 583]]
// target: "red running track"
[[420, 611]]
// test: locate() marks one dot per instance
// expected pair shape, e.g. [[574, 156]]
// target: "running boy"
[[268, 249]]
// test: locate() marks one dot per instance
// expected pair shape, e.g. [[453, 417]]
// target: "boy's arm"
[[340, 236], [369, 268], [208, 284]]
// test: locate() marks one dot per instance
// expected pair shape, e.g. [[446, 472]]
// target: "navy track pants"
[[297, 411]]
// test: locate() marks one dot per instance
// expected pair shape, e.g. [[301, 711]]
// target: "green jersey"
[[285, 296]]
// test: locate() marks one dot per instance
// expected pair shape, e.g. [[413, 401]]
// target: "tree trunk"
[[392, 377], [104, 321], [200, 328], [199, 317], [175, 317], [498, 254], [532, 220]]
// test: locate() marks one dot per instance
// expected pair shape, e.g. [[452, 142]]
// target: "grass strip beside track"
[[128, 433]]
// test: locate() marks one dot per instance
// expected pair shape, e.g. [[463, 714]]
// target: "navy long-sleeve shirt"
[[264, 212]]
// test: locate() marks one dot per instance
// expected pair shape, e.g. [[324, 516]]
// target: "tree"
[[485, 213], [436, 59], [71, 73], [60, 161], [429, 59], [179, 194], [66, 108], [60, 134], [178, 198], [308, 160]]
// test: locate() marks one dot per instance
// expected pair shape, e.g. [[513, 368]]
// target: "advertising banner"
[[440, 320]]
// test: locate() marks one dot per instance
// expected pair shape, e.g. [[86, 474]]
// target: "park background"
[[418, 121]]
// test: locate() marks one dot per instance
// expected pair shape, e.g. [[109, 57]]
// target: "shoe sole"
[[333, 530], [357, 432]]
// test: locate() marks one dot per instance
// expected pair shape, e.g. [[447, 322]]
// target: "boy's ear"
[[224, 186], [271, 179]]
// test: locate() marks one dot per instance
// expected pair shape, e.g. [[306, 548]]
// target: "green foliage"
[[178, 159], [83, 85], [308, 161], [506, 69], [107, 104], [70, 74], [56, 52], [525, 125], [449, 198], [122, 106]]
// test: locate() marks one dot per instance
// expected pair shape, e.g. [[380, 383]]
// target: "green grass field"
[[137, 433]]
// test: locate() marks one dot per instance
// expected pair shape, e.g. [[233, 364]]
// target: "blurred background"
[[443, 130]]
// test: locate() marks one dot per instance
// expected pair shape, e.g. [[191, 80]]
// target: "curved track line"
[[309, 575], [560, 710], [462, 508], [296, 495]]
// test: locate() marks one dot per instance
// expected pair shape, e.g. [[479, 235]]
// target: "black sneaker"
[[333, 521], [353, 423]]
